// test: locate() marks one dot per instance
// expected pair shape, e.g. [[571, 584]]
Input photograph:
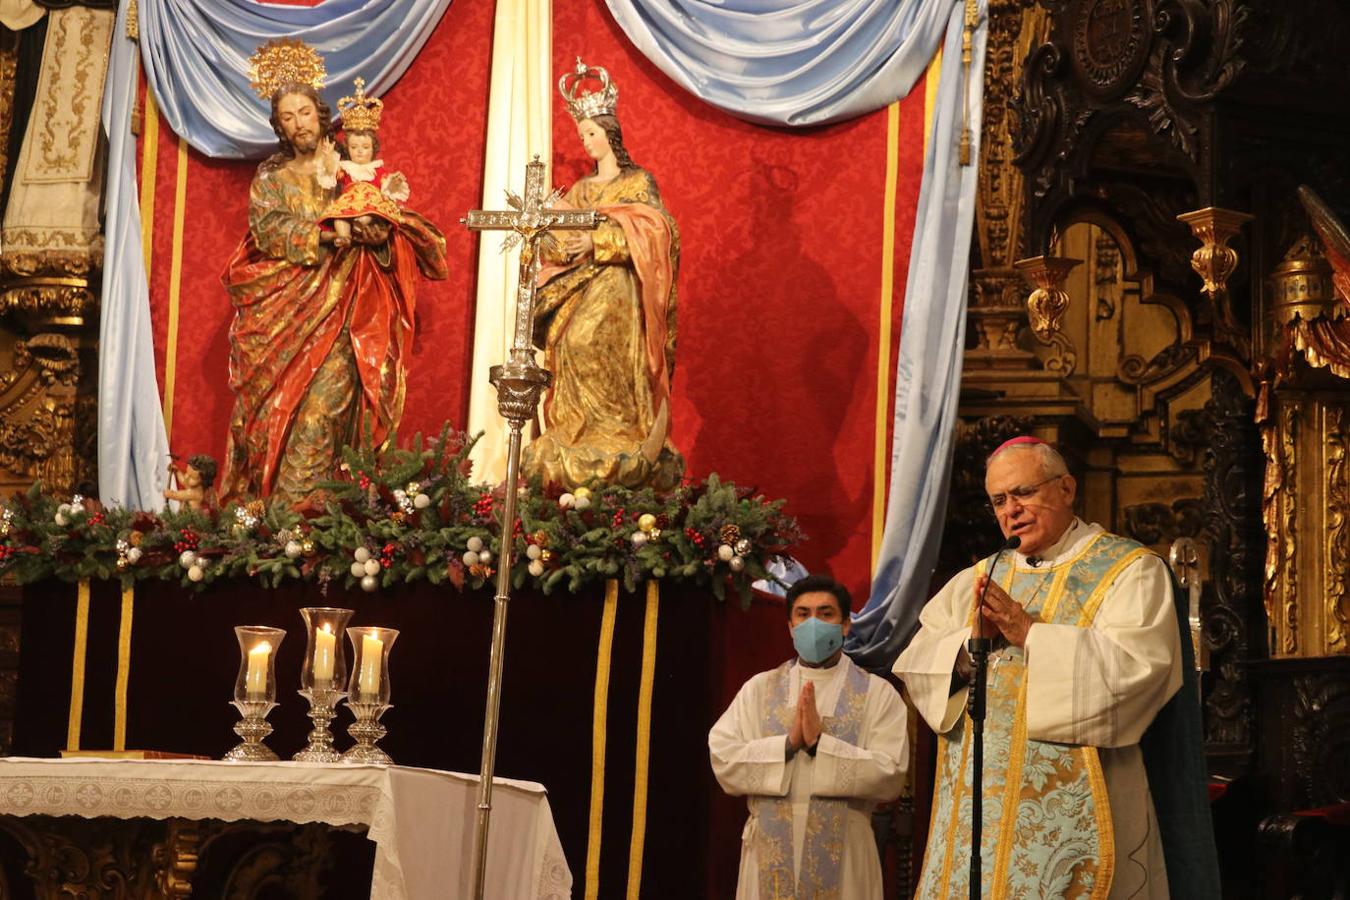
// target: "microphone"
[[1012, 543], [979, 655]]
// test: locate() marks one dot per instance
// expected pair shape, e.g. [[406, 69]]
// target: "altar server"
[[813, 745]]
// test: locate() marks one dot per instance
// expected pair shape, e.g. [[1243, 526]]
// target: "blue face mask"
[[816, 641]]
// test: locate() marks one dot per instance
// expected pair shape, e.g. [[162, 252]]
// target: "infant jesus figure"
[[363, 181]]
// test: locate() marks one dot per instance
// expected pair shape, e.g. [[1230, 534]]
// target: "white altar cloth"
[[421, 820]]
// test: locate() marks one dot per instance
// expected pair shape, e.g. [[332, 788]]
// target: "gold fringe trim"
[[123, 668], [1101, 803], [175, 286], [880, 450], [77, 666], [957, 791], [1098, 594], [599, 716], [644, 741]]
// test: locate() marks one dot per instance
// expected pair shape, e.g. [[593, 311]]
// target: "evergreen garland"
[[406, 515]]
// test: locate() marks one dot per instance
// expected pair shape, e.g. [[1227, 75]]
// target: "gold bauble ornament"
[[646, 521], [307, 548], [581, 492]]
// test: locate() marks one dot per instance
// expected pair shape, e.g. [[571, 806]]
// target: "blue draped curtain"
[[195, 55], [794, 63]]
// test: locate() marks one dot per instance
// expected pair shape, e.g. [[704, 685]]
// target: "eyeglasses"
[[1021, 494]]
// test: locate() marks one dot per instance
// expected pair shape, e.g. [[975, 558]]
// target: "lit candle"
[[372, 654], [255, 681], [325, 646]]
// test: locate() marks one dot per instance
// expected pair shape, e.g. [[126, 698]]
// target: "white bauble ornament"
[[196, 573], [536, 568], [187, 558], [292, 549], [470, 558], [369, 584], [532, 551], [583, 502], [639, 538], [358, 570], [361, 555], [474, 543], [725, 553], [485, 556], [567, 501], [421, 501], [372, 567], [736, 563], [62, 520], [134, 555]]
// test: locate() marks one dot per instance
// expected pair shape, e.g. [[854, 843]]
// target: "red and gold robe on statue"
[[320, 336], [606, 323]]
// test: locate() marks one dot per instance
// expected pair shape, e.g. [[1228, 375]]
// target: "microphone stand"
[[979, 646]]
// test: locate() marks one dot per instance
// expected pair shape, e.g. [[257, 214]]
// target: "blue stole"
[[823, 851]]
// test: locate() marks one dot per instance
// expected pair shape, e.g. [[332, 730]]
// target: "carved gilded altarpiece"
[[1304, 412], [51, 251]]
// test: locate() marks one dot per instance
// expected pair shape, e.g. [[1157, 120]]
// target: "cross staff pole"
[[519, 382]]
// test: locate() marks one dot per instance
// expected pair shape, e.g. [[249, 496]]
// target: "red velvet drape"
[[780, 281]]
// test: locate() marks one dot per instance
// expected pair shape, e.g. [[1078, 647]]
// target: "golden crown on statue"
[[284, 61], [360, 113], [594, 103]]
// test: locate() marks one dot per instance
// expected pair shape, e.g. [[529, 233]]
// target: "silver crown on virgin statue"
[[593, 103]]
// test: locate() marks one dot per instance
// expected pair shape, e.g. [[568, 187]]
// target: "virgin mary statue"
[[605, 317]]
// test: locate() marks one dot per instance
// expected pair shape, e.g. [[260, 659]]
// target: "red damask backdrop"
[[780, 283]]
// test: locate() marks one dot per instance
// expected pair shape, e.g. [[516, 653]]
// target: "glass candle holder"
[[368, 692], [255, 689], [323, 678]]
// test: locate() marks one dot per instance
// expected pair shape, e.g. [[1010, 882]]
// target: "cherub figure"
[[196, 479], [362, 179]]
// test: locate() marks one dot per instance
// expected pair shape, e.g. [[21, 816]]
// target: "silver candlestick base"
[[252, 727], [366, 731], [322, 709]]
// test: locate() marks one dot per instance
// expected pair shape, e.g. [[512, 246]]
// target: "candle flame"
[[263, 647]]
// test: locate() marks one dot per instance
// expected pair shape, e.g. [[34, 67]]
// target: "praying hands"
[[1004, 613], [805, 730]]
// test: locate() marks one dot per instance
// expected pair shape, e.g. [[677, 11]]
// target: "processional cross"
[[519, 382]]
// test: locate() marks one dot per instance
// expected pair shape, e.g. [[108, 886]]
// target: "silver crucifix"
[[519, 382]]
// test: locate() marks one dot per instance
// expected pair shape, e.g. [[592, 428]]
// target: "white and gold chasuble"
[[1067, 811], [809, 835]]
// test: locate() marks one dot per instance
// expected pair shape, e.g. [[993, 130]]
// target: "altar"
[[420, 820], [628, 781]]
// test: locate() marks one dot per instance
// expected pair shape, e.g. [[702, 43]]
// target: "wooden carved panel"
[[1230, 605]]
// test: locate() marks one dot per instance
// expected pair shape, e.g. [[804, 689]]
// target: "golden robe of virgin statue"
[[321, 333], [605, 318]]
